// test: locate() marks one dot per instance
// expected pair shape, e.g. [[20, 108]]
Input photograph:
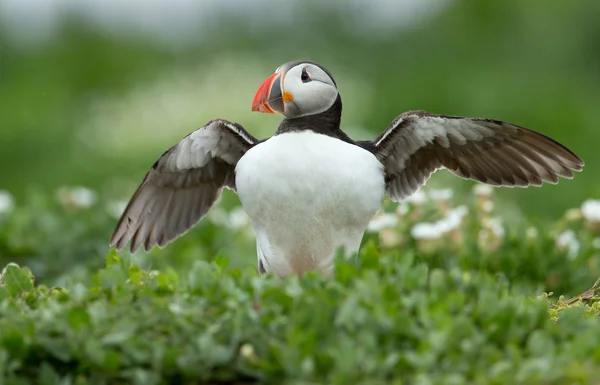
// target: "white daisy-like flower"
[[487, 206], [591, 210], [452, 221], [83, 197], [238, 218], [247, 351], [418, 198], [116, 208], [218, 216], [441, 194], [454, 217], [7, 202], [495, 225], [402, 208], [382, 221], [234, 220], [79, 197], [426, 230], [573, 214], [531, 232], [567, 240], [483, 190]]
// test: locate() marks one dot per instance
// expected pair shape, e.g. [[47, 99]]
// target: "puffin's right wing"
[[418, 143], [182, 185]]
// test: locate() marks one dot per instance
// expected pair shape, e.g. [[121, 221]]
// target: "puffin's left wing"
[[418, 143], [182, 185]]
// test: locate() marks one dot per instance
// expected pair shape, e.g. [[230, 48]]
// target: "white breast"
[[307, 195]]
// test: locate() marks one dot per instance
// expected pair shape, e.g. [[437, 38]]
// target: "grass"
[[468, 298]]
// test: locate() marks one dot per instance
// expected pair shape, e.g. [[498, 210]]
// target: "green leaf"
[[136, 274], [121, 332], [17, 279], [55, 346], [13, 341], [113, 258], [344, 271], [202, 275], [112, 276], [48, 375], [222, 261], [145, 377], [369, 256], [112, 361], [168, 280], [4, 293], [78, 318]]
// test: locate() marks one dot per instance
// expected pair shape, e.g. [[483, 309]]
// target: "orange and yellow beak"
[[268, 98]]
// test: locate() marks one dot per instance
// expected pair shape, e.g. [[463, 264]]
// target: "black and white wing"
[[182, 185], [418, 143]]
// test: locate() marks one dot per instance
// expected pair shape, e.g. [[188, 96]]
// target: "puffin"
[[310, 190]]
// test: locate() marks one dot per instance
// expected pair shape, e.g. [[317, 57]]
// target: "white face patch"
[[311, 96]]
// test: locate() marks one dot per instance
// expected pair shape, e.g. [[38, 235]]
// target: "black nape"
[[326, 123]]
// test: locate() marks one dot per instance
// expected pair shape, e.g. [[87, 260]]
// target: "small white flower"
[[454, 217], [426, 230], [531, 232], [7, 202], [573, 215], [402, 208], [116, 208], [83, 197], [234, 220], [238, 218], [483, 190], [80, 197], [451, 221], [176, 308], [495, 225], [568, 240], [591, 210], [382, 221], [441, 194], [487, 206], [418, 198], [564, 238], [218, 216], [246, 350]]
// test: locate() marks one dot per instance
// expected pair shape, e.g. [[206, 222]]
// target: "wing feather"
[[417, 143], [182, 185]]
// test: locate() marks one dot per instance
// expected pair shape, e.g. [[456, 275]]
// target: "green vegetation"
[[439, 294], [465, 305], [95, 108]]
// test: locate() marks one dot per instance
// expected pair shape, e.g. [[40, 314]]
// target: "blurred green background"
[[92, 92]]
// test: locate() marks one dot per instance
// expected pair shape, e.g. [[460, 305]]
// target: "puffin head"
[[296, 89]]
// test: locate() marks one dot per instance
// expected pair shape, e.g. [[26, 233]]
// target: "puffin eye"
[[305, 77]]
